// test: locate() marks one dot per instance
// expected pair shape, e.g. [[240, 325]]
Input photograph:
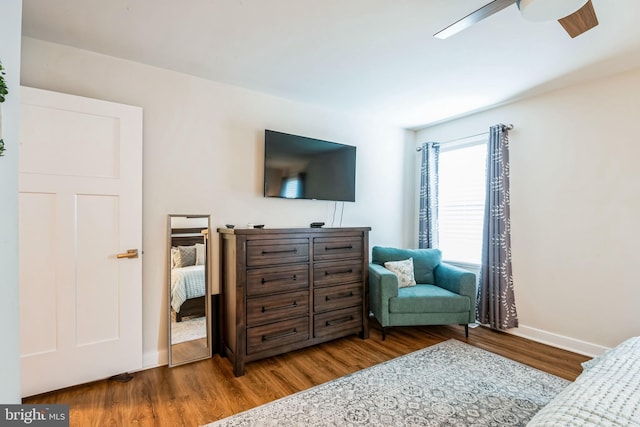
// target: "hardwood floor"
[[189, 350], [205, 391]]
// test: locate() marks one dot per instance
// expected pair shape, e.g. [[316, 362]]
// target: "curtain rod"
[[504, 127]]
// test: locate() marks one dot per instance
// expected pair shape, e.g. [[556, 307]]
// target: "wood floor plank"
[[205, 391]]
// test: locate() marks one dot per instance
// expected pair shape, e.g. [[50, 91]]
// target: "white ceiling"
[[373, 57]]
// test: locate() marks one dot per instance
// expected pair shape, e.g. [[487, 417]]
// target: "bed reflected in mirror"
[[189, 310]]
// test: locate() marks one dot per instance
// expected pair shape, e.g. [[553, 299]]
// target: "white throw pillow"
[[200, 253], [175, 256], [404, 271]]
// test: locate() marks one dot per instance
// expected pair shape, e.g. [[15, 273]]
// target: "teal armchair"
[[443, 294]]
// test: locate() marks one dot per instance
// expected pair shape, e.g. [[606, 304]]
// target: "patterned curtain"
[[428, 214], [496, 303]]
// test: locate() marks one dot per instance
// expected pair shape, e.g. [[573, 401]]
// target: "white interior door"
[[80, 205]]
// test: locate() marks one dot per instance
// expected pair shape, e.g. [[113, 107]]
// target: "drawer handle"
[[282, 307], [275, 337], [339, 321], [328, 273], [283, 251], [338, 296], [263, 281], [337, 248]]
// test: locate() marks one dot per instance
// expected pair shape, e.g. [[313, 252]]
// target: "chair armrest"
[[383, 285], [455, 279], [459, 281]]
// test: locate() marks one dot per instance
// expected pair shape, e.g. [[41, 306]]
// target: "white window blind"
[[291, 188], [461, 188]]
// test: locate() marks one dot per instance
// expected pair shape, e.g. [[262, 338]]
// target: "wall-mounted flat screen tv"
[[297, 167]]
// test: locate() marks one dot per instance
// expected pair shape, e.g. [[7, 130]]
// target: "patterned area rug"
[[188, 329], [448, 384]]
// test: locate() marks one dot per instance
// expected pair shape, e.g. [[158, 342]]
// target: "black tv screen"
[[297, 167]]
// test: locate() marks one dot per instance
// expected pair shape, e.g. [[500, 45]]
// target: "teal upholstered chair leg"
[[466, 330], [384, 333]]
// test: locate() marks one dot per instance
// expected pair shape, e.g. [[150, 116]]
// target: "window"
[[292, 187], [461, 199]]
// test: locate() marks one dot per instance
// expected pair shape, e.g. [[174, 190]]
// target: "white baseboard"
[[161, 358], [559, 341]]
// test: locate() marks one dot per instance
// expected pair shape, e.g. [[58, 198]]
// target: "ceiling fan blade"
[[480, 14], [580, 21]]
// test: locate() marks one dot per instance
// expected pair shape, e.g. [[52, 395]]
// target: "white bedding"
[[186, 283], [607, 393]]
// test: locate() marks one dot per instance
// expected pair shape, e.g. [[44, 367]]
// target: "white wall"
[[10, 29], [203, 148], [575, 194]]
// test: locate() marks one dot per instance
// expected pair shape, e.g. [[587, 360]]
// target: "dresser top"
[[300, 230]]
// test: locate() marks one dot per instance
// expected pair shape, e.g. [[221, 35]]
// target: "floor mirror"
[[189, 311]]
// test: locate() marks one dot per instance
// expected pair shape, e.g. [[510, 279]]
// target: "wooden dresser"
[[289, 288]]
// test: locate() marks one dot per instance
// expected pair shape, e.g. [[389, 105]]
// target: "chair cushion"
[[428, 299], [424, 260]]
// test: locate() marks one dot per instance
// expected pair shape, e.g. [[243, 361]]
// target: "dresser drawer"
[[335, 297], [330, 248], [281, 251], [335, 273], [338, 322], [277, 279], [278, 334], [277, 307]]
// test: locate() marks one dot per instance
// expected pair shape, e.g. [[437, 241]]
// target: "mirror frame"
[[207, 300]]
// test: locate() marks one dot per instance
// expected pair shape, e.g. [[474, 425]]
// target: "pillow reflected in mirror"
[[200, 254], [183, 256]]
